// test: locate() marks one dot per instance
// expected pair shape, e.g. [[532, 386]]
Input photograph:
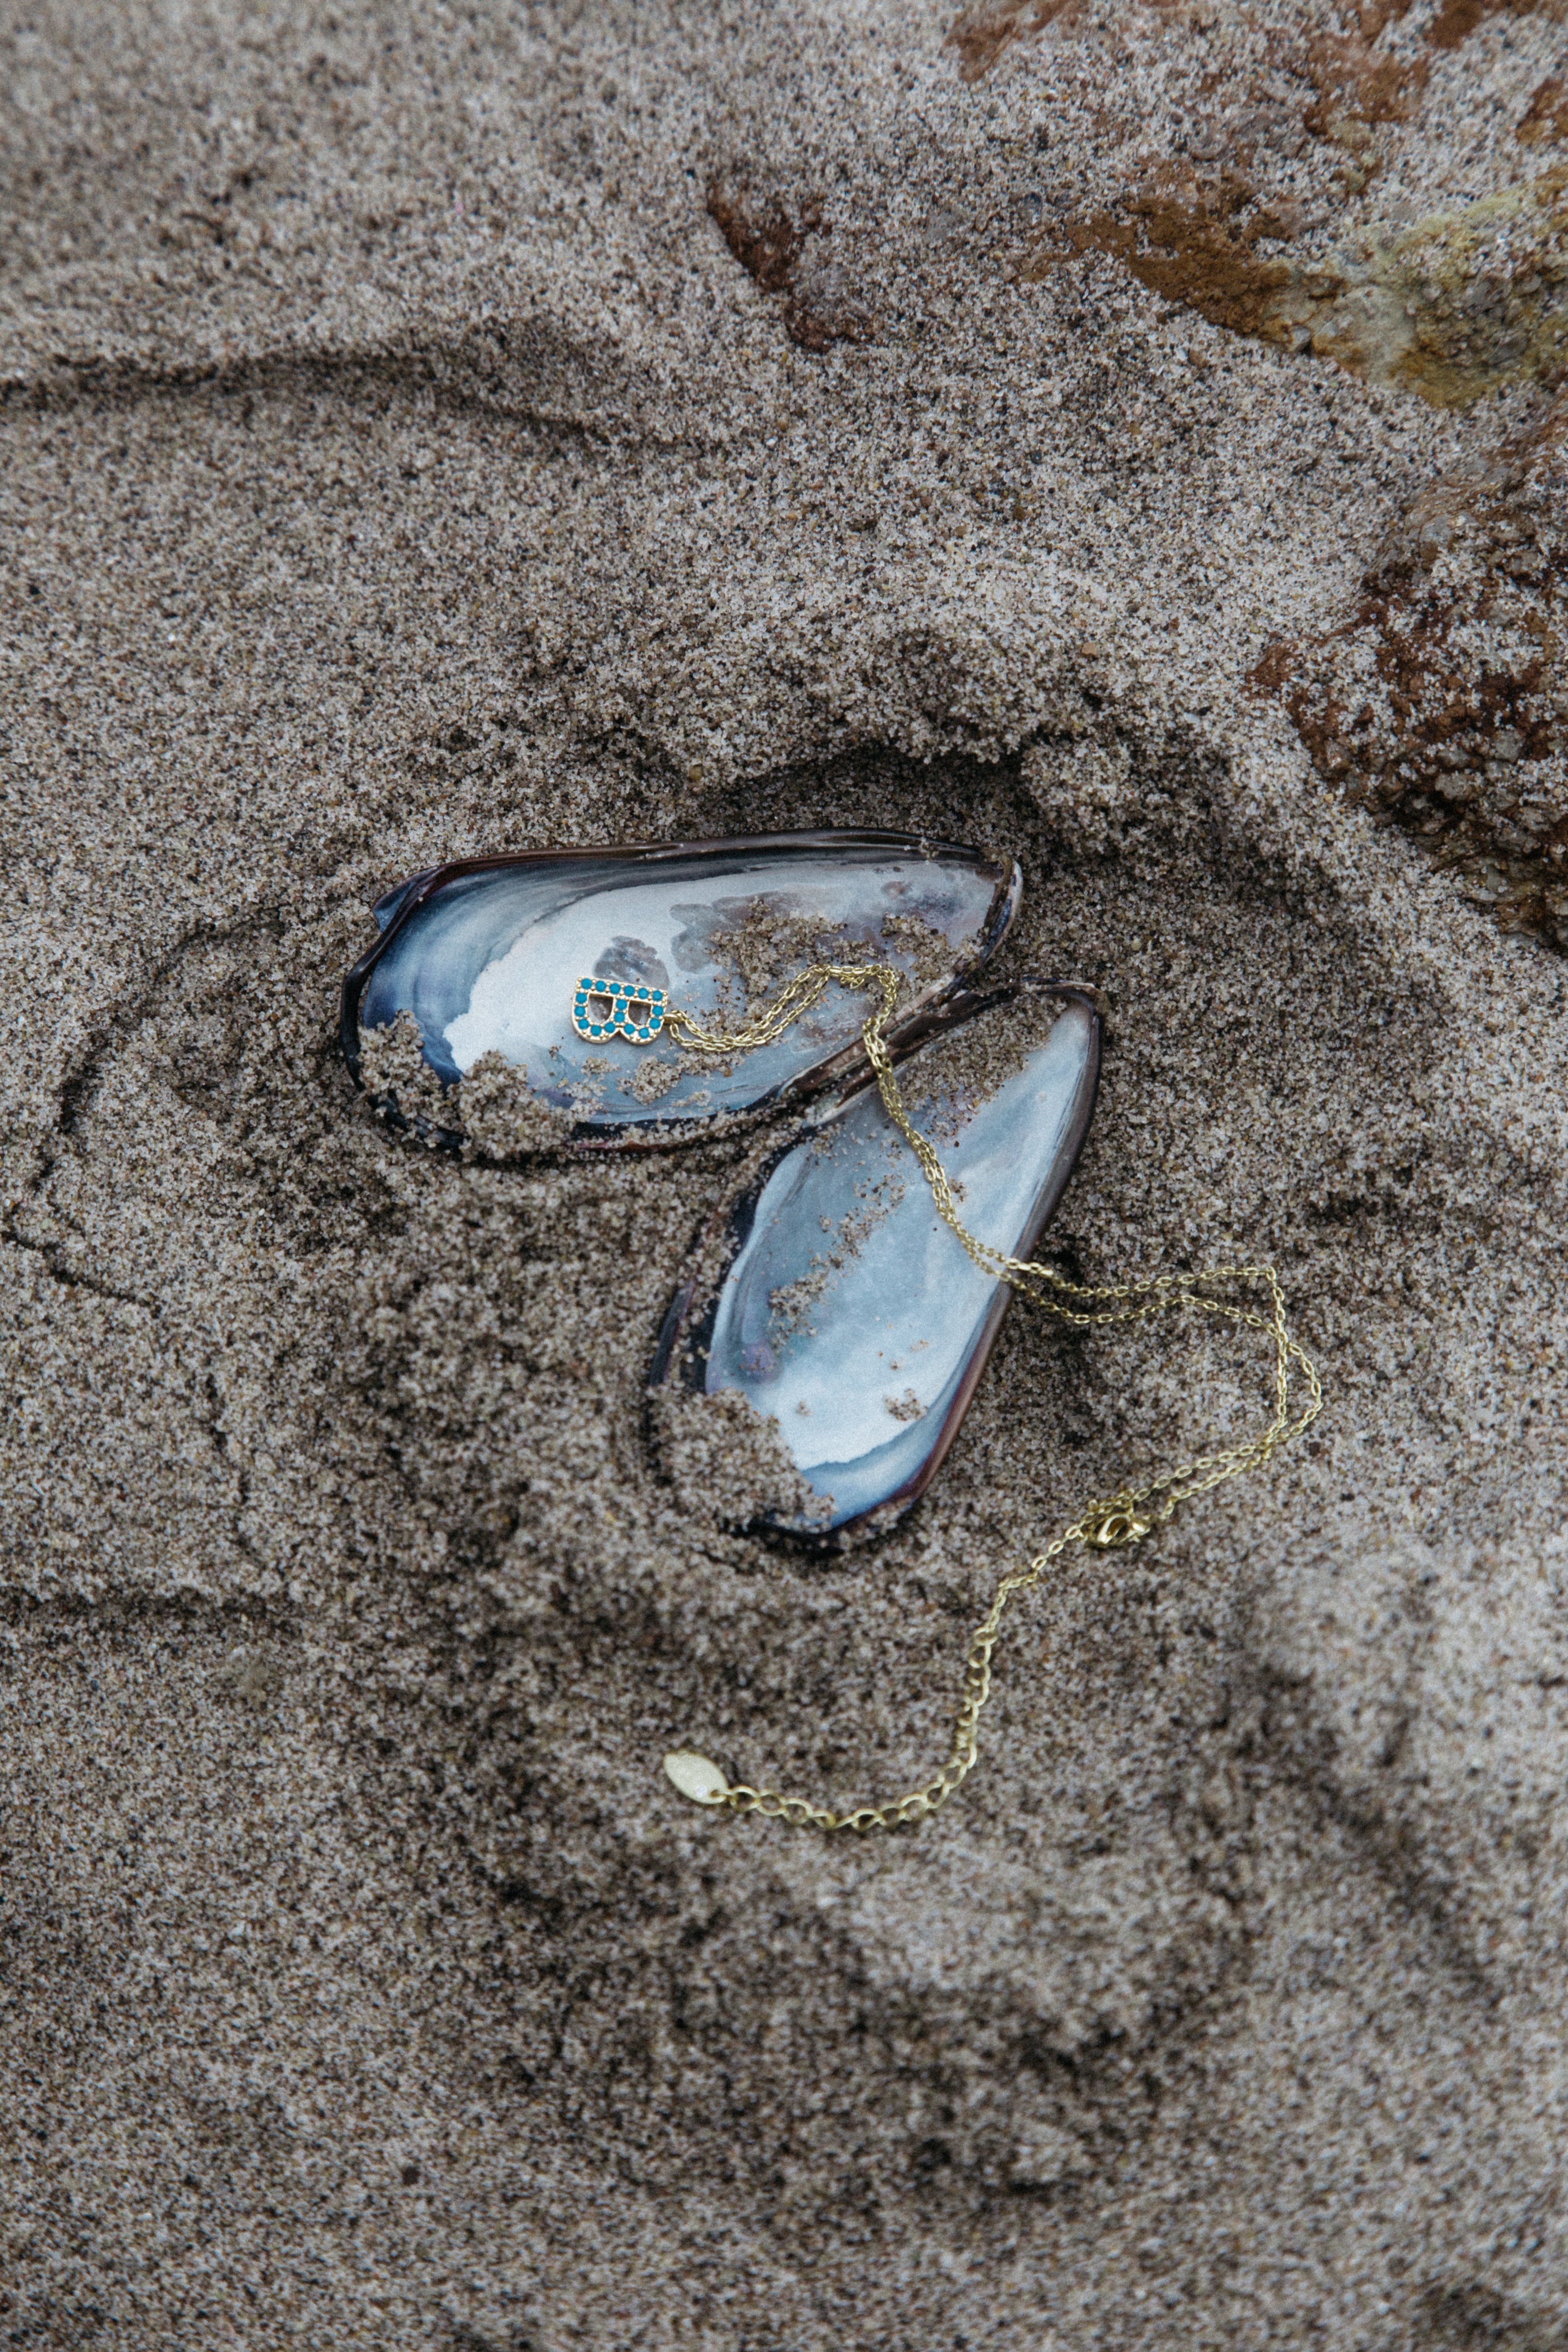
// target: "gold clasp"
[[1108, 1524]]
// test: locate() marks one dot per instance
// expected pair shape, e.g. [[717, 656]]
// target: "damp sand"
[[429, 432]]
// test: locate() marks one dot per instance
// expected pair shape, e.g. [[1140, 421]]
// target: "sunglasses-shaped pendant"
[[613, 1008]]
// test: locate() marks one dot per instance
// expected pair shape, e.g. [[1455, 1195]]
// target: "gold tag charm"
[[695, 1777]]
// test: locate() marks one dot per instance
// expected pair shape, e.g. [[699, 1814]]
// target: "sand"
[[431, 431]]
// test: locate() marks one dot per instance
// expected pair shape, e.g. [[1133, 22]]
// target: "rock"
[[1458, 304], [786, 253], [1441, 703], [1545, 120]]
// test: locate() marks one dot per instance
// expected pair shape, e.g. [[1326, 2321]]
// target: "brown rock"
[[1457, 19], [783, 252], [763, 239], [1188, 236], [982, 33], [1546, 117], [1442, 702], [1354, 85], [1460, 304]]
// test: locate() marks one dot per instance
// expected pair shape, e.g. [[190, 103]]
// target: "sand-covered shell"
[[486, 956], [844, 1308]]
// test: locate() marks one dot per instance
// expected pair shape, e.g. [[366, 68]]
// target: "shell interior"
[[488, 959], [852, 1313]]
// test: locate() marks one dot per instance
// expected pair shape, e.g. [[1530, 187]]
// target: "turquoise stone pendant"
[[613, 1008]]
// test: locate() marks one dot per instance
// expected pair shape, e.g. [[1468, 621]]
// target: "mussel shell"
[[845, 1307], [484, 955]]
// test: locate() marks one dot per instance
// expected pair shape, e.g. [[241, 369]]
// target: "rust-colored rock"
[[1469, 299], [763, 237], [1546, 119], [1189, 237], [982, 33], [1356, 86], [1442, 702], [1457, 19], [786, 253], [1353, 83], [1454, 307]]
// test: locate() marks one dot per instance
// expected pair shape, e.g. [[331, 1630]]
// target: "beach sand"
[[1119, 438]]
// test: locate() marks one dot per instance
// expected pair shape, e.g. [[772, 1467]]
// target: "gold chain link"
[[1126, 1516]]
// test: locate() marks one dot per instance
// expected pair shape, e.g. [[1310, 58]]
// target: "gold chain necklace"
[[643, 1014]]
